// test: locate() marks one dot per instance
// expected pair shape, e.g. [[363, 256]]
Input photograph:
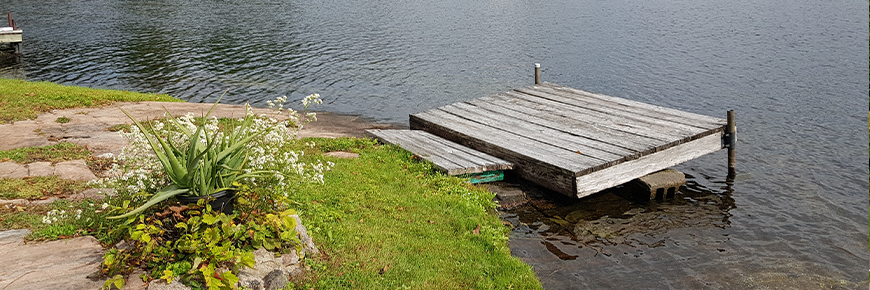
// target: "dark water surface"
[[795, 72]]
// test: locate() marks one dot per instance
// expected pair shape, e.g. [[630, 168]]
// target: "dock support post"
[[731, 136], [537, 73], [9, 16]]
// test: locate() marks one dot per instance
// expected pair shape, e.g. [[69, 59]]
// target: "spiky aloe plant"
[[204, 167]]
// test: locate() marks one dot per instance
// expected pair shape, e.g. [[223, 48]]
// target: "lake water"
[[794, 71]]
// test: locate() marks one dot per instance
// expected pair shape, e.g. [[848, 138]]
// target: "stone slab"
[[507, 196], [39, 169], [12, 170], [342, 154], [74, 170], [62, 264], [88, 126]]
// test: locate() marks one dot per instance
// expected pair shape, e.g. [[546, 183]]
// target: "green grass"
[[385, 221], [54, 153], [25, 218], [63, 225], [22, 100], [38, 187]]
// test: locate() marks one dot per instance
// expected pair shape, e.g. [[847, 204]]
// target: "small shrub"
[[192, 243]]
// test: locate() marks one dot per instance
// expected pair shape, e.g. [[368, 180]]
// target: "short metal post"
[[537, 73], [731, 131], [9, 16]]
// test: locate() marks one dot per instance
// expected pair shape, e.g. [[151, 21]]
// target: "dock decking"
[[448, 157], [571, 141], [10, 35]]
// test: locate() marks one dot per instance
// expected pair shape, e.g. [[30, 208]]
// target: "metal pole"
[[731, 131], [9, 16], [537, 73]]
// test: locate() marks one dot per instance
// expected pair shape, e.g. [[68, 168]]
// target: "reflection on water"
[[10, 63], [681, 243], [617, 216]]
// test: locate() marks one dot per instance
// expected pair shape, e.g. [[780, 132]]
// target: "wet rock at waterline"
[[508, 196]]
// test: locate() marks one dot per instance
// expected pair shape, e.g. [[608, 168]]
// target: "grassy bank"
[[22, 100], [384, 220]]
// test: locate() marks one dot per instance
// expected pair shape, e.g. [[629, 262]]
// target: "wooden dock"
[[12, 35], [575, 142]]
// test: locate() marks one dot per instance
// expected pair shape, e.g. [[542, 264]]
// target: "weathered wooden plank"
[[574, 124], [644, 127], [445, 165], [593, 118], [591, 148], [624, 172], [490, 163], [626, 117], [448, 157], [505, 139], [468, 163], [526, 166], [683, 117], [439, 155], [668, 136], [11, 36]]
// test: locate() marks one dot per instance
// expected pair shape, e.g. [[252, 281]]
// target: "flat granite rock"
[[88, 126], [12, 170], [61, 264], [74, 170], [342, 154], [39, 169]]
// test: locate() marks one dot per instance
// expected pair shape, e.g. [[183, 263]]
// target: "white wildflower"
[[312, 99]]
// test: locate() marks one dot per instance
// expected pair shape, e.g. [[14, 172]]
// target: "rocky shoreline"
[[66, 264]]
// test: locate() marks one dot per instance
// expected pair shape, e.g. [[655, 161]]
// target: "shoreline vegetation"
[[383, 220], [24, 100]]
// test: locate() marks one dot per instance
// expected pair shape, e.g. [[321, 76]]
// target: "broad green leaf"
[[161, 195]]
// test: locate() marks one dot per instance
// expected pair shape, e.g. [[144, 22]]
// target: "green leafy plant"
[[201, 247], [212, 161], [257, 156]]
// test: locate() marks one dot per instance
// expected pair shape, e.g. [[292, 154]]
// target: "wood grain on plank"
[[527, 166], [448, 157], [689, 118], [624, 172]]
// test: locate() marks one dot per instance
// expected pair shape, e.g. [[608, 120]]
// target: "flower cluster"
[[55, 215], [138, 172]]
